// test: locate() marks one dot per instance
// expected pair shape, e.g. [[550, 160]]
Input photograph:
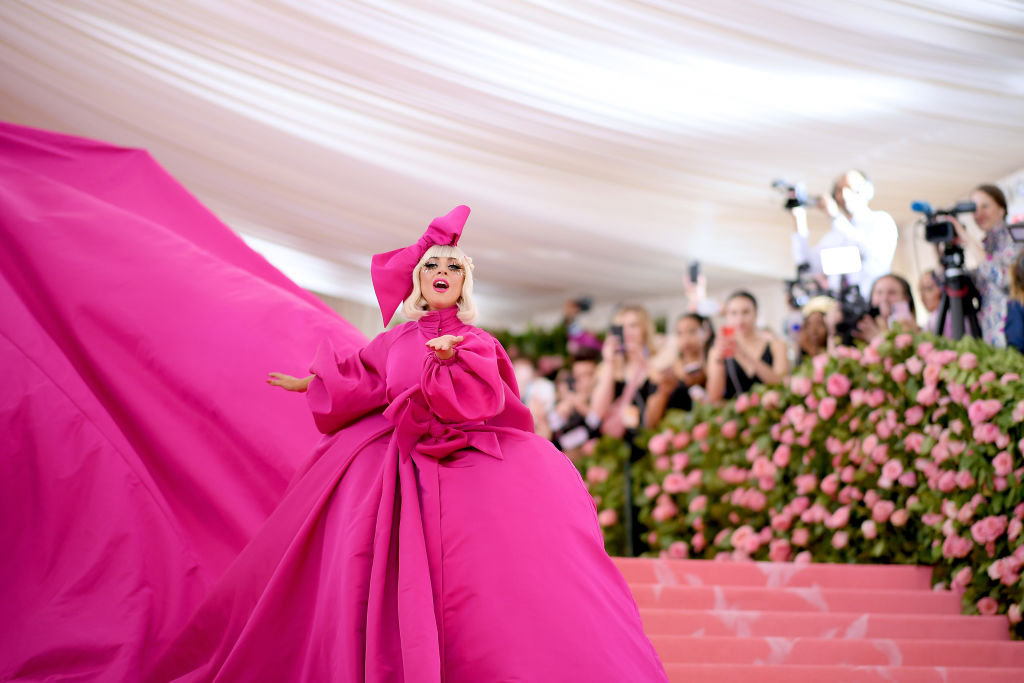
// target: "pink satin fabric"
[[141, 449], [434, 538]]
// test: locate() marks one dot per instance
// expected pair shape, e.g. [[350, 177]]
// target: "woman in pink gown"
[[432, 536]]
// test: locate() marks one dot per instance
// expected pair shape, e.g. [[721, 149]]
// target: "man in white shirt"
[[854, 223]]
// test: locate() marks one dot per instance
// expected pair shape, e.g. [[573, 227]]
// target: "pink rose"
[[928, 396], [662, 463], [964, 479], [801, 536], [679, 461], [848, 474], [674, 483], [908, 479], [987, 606], [770, 399], [1013, 614], [982, 411], [838, 385], [652, 491], [698, 542], [840, 539], [962, 579], [913, 442], [663, 512], [763, 467], [781, 456], [742, 403], [932, 373], [892, 469], [811, 402], [830, 484], [914, 415], [779, 550], [947, 482], [659, 443], [914, 365], [827, 407], [801, 386], [925, 348], [1014, 528], [882, 510], [805, 483], [880, 454], [608, 517], [899, 518], [902, 341], [730, 429], [988, 529], [701, 431], [698, 503], [968, 361], [869, 529], [781, 522], [1003, 463], [956, 546], [678, 550], [597, 474], [838, 519], [589, 447], [899, 373], [681, 440]]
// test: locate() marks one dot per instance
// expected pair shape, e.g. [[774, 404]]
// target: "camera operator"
[[930, 287], [854, 223], [569, 421], [892, 303], [995, 253]]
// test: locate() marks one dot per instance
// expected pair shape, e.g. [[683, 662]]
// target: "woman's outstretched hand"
[[279, 379], [444, 345]]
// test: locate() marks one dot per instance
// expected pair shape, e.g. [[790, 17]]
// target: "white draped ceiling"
[[601, 144]]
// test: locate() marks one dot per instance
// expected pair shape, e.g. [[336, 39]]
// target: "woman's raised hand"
[[279, 379], [444, 345]]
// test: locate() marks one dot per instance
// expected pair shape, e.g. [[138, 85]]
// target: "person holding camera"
[[996, 253], [679, 374], [623, 371], [892, 303], [854, 223], [743, 355], [570, 423]]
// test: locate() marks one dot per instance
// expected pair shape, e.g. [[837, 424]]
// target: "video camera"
[[796, 194], [936, 230]]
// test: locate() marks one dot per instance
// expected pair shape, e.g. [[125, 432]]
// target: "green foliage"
[[905, 451]]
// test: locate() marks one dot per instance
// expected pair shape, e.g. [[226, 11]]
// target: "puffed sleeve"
[[468, 386], [346, 388]]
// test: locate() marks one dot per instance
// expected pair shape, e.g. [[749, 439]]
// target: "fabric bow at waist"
[[419, 430]]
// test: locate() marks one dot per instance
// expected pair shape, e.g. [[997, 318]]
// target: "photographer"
[[854, 223], [627, 347], [742, 355], [569, 421], [995, 254], [892, 303]]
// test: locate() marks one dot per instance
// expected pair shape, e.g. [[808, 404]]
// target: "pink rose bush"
[[906, 451]]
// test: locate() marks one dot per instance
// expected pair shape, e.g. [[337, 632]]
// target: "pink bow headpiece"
[[392, 271]]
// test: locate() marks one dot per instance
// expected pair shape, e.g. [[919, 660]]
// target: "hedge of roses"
[[905, 451]]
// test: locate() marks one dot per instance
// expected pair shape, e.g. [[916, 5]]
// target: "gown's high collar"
[[445, 321]]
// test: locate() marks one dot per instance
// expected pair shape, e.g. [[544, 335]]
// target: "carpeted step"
[[772, 574], [811, 599], [745, 673], [741, 623], [833, 651]]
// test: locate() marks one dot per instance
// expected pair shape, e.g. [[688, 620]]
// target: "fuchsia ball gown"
[[148, 524], [433, 537]]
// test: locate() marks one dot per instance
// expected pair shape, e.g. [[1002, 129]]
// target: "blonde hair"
[[415, 307], [645, 321]]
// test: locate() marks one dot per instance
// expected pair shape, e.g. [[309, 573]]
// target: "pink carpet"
[[766, 622]]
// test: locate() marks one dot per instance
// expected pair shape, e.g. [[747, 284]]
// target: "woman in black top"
[[743, 355]]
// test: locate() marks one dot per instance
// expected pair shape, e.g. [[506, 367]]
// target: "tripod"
[[959, 296]]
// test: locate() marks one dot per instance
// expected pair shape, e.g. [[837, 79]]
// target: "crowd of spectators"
[[634, 376]]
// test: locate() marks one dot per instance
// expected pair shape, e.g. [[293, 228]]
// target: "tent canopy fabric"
[[601, 145]]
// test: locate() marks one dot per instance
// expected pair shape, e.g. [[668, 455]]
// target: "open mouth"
[[440, 285]]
